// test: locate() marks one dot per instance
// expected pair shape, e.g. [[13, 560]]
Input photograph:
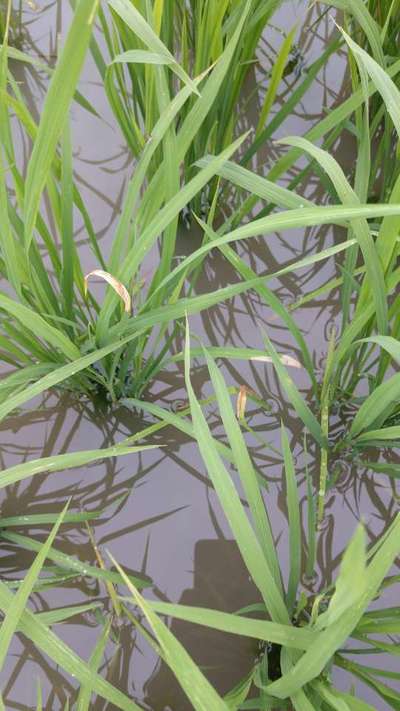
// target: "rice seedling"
[[361, 364], [303, 637]]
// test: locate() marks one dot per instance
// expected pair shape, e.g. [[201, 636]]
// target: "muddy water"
[[160, 516]]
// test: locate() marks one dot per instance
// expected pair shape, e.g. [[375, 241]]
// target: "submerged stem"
[[324, 458], [325, 402]]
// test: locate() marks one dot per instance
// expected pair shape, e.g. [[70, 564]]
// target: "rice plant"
[[197, 33], [53, 328], [59, 310], [363, 355], [303, 637], [363, 350], [174, 73]]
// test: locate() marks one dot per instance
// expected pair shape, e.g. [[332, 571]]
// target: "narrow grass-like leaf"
[[12, 617], [62, 655], [136, 327], [360, 226], [285, 635], [233, 509], [59, 615], [69, 562], [197, 688], [39, 326], [26, 470], [390, 344], [377, 406], [246, 470], [291, 219], [294, 524], [381, 79], [294, 396], [157, 225], [359, 10], [314, 660], [346, 595], [276, 77], [137, 23], [67, 225], [55, 110], [85, 692], [386, 434], [142, 56]]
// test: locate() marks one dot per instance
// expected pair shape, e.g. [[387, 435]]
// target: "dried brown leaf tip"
[[242, 401], [285, 360], [118, 287]]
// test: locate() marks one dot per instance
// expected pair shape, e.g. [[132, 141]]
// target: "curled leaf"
[[119, 288], [241, 402]]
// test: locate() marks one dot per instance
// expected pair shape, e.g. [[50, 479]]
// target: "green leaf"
[[136, 326], [62, 461], [275, 79], [247, 541], [85, 693], [136, 22], [142, 56], [377, 406], [55, 111], [244, 465], [285, 635], [59, 653], [313, 661], [360, 226], [294, 396], [381, 79], [294, 522], [347, 594], [359, 10], [390, 344], [14, 612], [385, 434], [195, 685], [69, 562], [59, 615], [39, 327]]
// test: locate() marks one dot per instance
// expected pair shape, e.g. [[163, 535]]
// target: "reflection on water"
[[159, 514]]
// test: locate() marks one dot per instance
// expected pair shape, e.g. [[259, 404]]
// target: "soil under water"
[[160, 515]]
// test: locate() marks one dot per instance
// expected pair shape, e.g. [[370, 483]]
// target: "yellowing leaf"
[[116, 285], [241, 402], [285, 360]]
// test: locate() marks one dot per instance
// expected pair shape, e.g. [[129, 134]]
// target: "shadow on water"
[[159, 515], [220, 581]]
